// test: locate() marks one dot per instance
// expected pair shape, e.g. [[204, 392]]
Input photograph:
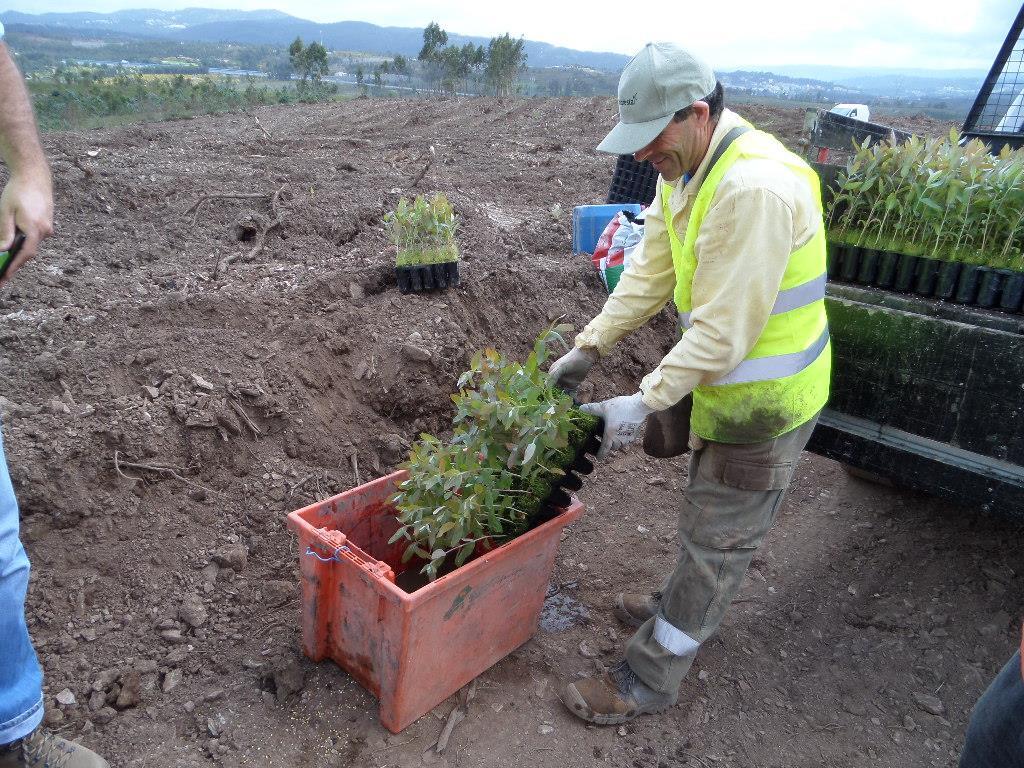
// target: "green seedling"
[[513, 436], [933, 197], [423, 230]]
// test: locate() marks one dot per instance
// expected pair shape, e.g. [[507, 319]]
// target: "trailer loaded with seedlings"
[[926, 285]]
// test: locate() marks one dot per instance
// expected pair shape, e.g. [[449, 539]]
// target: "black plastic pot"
[[403, 279], [633, 182], [427, 277], [906, 273], [440, 275], [868, 268], [967, 285], [850, 264], [570, 480], [927, 277], [888, 261], [990, 287], [1013, 291], [833, 257], [949, 274]]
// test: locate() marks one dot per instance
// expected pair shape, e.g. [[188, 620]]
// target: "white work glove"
[[623, 416], [569, 371]]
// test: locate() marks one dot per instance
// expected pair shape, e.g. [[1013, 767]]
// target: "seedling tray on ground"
[[413, 650], [427, 277]]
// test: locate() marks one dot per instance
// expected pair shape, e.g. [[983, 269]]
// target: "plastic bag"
[[620, 238]]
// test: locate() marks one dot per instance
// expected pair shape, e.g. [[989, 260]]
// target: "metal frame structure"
[[997, 116]]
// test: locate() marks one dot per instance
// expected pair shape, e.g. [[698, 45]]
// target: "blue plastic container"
[[589, 221]]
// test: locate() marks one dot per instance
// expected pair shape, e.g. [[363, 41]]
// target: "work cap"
[[658, 82]]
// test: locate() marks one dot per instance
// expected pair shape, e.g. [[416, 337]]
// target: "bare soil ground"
[[179, 372]]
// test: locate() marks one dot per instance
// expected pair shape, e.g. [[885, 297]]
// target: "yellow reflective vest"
[[784, 379]]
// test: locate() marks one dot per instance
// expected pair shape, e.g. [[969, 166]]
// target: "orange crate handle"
[[382, 570], [332, 559]]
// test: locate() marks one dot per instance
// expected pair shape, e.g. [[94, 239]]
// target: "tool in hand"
[[7, 257]]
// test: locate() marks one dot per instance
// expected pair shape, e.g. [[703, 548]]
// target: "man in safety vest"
[[735, 237]]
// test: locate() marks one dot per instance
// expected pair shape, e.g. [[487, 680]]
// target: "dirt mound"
[[215, 338]]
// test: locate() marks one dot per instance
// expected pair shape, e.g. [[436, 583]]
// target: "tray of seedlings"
[[933, 217], [423, 231], [518, 448]]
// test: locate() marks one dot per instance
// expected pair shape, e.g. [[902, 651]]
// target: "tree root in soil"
[[82, 167], [169, 471], [194, 208], [256, 431], [355, 467], [260, 126], [261, 238], [456, 716]]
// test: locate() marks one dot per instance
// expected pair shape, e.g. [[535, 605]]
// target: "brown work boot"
[[41, 749], [634, 609], [619, 695]]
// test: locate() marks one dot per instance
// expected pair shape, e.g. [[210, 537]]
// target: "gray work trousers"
[[729, 504]]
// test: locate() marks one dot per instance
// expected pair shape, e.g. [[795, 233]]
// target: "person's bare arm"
[[27, 199]]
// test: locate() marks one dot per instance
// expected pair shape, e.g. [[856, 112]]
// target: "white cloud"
[[750, 33]]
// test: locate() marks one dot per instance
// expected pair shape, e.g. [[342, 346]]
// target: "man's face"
[[680, 147]]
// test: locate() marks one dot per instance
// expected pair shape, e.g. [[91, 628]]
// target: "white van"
[[856, 111]]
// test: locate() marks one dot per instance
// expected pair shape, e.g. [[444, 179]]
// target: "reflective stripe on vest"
[[791, 298], [673, 640], [776, 366]]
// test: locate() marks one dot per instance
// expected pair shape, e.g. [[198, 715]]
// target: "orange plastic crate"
[[413, 650]]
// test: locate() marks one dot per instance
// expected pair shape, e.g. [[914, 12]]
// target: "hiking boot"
[[614, 698], [634, 609], [41, 749]]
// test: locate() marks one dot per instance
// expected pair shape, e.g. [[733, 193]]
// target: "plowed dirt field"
[[215, 338]]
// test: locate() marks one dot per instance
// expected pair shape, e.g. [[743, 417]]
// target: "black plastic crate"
[[633, 182]]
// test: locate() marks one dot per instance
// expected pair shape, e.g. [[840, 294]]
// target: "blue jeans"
[[21, 679], [995, 736]]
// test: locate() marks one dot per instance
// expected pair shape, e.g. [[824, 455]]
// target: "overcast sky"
[[930, 34]]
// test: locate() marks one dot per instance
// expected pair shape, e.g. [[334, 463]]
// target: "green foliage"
[[934, 197], [513, 434], [310, 63], [434, 38], [87, 102], [451, 67], [423, 231], [506, 61]]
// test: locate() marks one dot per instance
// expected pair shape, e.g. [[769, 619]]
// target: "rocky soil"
[[214, 338]]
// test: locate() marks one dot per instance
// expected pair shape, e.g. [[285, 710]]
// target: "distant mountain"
[[891, 81], [148, 22], [835, 74], [270, 27], [277, 28], [782, 86], [904, 85]]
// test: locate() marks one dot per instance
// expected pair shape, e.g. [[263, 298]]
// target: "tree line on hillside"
[[452, 68], [82, 101], [446, 68]]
